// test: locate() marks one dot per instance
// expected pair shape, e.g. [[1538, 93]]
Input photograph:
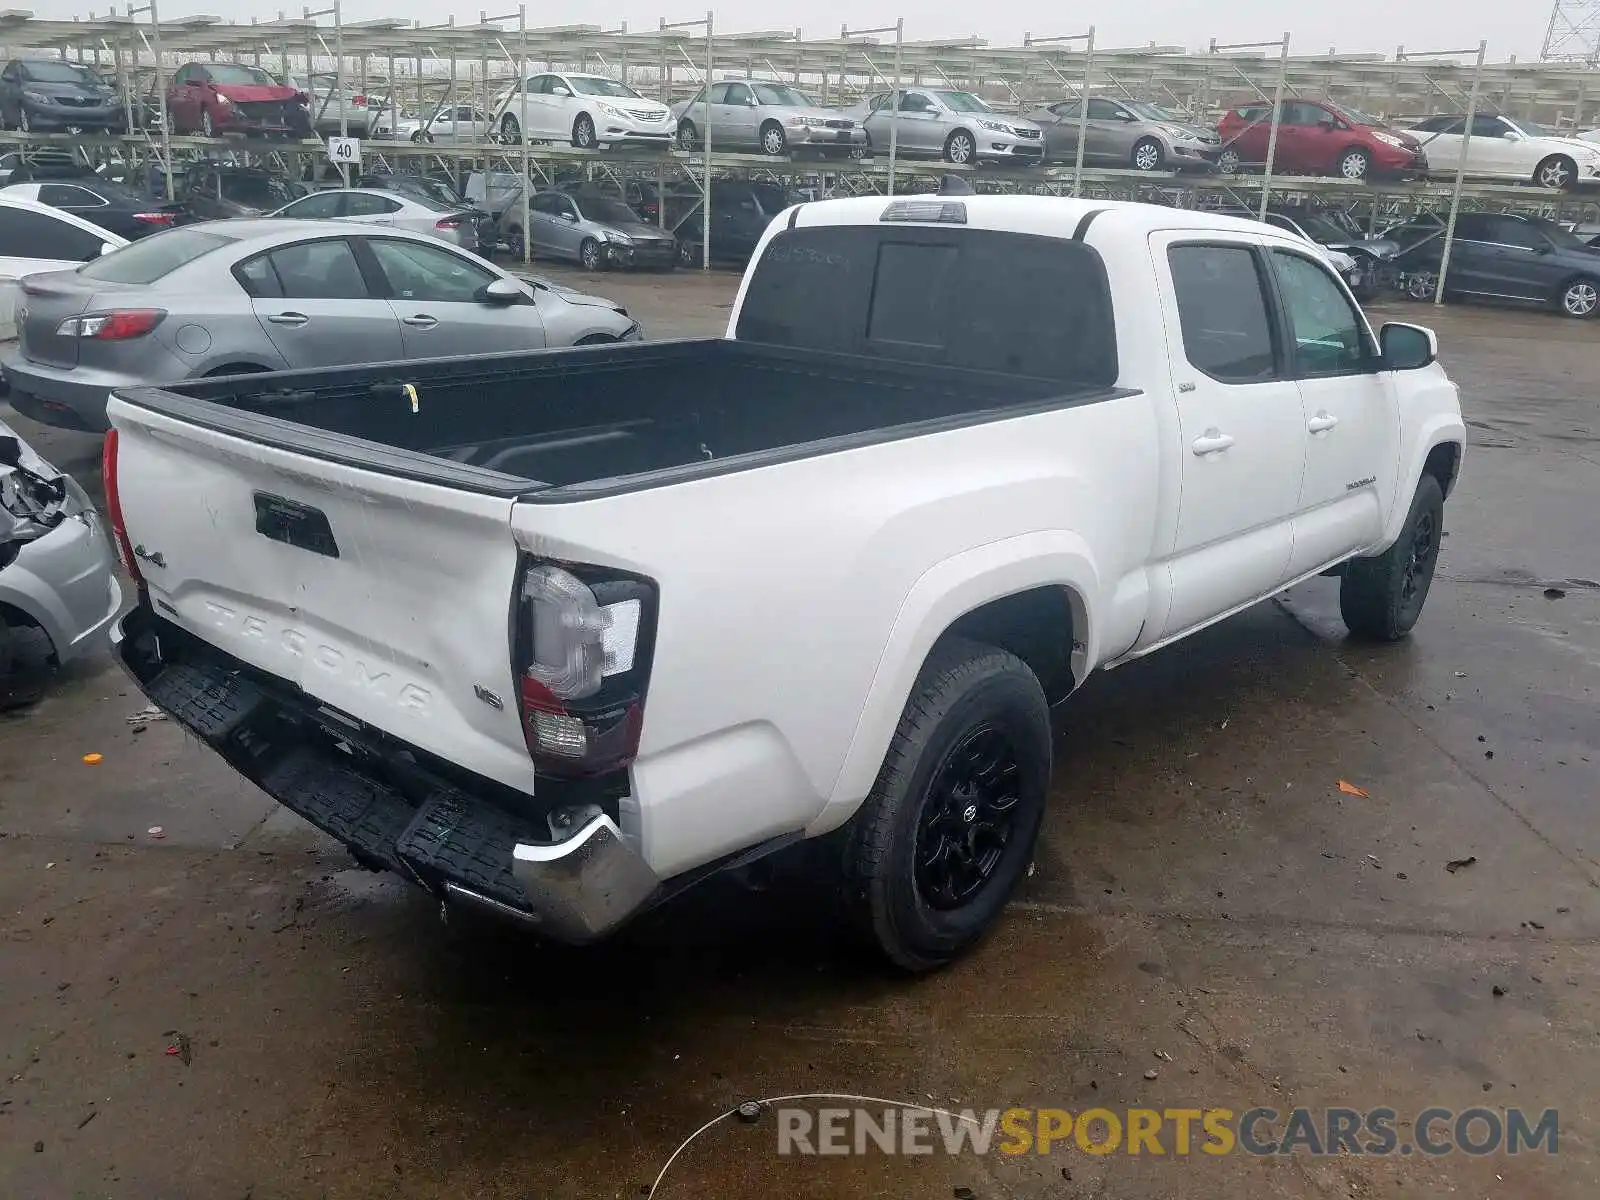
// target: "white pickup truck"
[[560, 634]]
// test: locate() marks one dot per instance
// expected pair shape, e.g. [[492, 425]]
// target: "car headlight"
[[610, 111], [996, 126], [38, 97], [619, 239], [1388, 139], [223, 100]]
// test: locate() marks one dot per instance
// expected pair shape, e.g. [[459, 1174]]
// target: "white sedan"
[[454, 123], [35, 238], [1503, 148], [590, 111]]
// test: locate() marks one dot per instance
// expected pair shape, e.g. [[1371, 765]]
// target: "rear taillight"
[[118, 325], [450, 222], [119, 529], [358, 100], [584, 639], [155, 218]]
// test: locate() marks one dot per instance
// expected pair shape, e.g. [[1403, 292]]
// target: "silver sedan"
[[949, 124], [751, 114], [394, 209], [232, 297]]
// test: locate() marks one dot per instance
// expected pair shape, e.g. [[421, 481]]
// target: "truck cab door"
[[1238, 440], [1351, 416]]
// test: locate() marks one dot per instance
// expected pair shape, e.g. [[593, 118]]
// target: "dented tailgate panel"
[[386, 598]]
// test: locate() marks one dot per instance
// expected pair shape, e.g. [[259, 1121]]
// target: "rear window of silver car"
[[154, 257]]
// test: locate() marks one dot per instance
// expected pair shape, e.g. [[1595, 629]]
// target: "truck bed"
[[600, 419]]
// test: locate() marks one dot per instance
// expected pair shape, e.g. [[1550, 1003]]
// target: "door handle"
[[1322, 422], [1212, 442], [420, 321], [293, 319]]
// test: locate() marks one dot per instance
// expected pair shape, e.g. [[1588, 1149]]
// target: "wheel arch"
[[1006, 593]]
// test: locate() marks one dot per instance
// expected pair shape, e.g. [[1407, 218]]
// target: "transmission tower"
[[1573, 34]]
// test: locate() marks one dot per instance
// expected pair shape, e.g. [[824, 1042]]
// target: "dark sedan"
[[1501, 257], [109, 205], [38, 94]]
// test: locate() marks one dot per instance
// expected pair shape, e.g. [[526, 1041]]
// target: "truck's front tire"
[[949, 828], [1382, 597]]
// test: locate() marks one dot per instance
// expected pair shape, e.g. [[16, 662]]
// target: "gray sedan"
[[774, 118], [453, 223], [231, 297], [594, 230], [1128, 133], [949, 124]]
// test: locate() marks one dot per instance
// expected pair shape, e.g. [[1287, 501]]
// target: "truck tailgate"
[[386, 598]]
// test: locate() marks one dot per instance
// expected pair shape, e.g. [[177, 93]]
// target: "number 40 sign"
[[344, 151]]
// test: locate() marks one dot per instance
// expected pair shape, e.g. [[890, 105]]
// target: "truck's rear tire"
[[949, 828], [1382, 597]]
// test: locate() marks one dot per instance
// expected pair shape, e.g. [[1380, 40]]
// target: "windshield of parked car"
[[154, 257], [1154, 112], [1322, 229], [593, 85], [1354, 116], [262, 191], [234, 73], [59, 72], [424, 188], [1561, 239], [1531, 128], [778, 93], [962, 102], [606, 210]]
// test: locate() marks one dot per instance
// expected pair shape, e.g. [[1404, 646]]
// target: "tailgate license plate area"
[[295, 524]]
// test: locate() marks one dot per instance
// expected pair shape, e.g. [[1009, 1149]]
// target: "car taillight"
[[358, 100], [155, 218], [584, 638], [115, 326], [119, 530], [450, 222]]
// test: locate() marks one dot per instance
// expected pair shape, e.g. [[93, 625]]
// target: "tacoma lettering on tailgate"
[[376, 681]]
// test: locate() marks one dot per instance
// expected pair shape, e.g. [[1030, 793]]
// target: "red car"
[[1316, 137], [213, 98]]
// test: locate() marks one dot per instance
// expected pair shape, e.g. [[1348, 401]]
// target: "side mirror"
[[106, 248], [10, 451], [502, 291], [559, 91], [567, 216], [1407, 347], [1511, 135]]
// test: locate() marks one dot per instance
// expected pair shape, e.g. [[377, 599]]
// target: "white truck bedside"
[[582, 627]]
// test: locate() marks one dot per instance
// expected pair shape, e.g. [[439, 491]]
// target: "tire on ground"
[[1382, 597], [962, 688]]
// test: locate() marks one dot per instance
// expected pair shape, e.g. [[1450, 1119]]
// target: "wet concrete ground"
[[1204, 890]]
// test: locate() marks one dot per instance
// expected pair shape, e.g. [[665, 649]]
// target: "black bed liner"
[[568, 424]]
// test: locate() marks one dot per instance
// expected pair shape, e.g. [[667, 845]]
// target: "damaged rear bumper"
[[560, 864]]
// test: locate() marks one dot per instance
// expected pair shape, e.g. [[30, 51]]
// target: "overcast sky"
[[1349, 25]]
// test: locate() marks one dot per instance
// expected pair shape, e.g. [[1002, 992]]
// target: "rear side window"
[[975, 299], [155, 257], [1223, 312], [305, 271], [27, 234]]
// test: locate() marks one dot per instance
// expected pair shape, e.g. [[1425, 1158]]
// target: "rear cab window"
[[978, 299]]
